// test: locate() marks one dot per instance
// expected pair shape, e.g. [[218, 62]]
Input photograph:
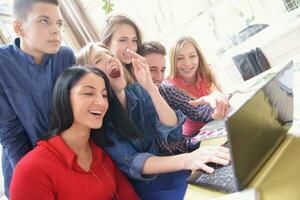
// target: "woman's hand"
[[141, 71], [199, 158], [216, 100]]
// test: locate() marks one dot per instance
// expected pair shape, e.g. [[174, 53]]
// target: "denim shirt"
[[26, 92], [130, 155]]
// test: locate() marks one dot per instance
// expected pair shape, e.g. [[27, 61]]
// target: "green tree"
[[108, 6]]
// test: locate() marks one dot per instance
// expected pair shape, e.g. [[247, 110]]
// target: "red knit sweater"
[[50, 171]]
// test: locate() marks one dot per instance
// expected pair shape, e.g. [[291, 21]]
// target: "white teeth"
[[114, 67]]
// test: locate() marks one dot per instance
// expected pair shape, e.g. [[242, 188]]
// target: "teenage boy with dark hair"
[[29, 68], [154, 53]]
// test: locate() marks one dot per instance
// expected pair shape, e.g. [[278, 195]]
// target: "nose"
[[100, 101], [132, 46], [55, 28], [161, 76], [186, 61]]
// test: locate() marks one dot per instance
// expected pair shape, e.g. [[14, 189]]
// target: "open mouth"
[[115, 73], [96, 113]]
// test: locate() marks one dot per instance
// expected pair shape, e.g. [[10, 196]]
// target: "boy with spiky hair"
[[29, 68]]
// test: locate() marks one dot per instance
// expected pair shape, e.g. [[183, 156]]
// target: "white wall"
[[280, 43]]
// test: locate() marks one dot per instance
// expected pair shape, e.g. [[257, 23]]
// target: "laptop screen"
[[257, 127]]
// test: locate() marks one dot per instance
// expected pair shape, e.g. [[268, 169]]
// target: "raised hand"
[[141, 70]]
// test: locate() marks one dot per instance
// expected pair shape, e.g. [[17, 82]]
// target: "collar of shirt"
[[27, 57], [58, 146], [131, 97], [179, 81]]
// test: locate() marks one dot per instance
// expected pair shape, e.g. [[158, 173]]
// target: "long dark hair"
[[62, 113]]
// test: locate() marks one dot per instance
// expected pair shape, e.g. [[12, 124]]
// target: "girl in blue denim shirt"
[[152, 174]]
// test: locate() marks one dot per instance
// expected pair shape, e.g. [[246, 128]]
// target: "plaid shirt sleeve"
[[180, 101]]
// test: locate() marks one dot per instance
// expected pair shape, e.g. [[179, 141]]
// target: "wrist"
[[153, 90], [183, 161]]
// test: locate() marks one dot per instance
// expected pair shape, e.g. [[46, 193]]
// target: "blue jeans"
[[164, 187], [11, 154]]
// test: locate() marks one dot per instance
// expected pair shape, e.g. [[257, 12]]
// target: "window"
[[291, 4]]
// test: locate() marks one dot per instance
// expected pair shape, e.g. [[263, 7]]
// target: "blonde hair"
[[203, 67], [84, 55]]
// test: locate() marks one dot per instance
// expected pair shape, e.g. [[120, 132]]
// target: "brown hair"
[[109, 29], [22, 8], [152, 47]]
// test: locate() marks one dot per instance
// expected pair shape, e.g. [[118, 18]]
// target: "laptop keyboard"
[[221, 179]]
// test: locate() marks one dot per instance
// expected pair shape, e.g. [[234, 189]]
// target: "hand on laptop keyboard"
[[199, 158]]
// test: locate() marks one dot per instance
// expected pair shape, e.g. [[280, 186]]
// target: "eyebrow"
[[88, 86], [128, 37], [44, 16], [47, 17], [91, 87], [154, 66]]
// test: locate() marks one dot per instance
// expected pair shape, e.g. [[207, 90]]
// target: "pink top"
[[199, 89]]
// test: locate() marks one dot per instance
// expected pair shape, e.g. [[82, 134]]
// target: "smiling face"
[[110, 65], [124, 37], [40, 32], [89, 101], [187, 61], [157, 67]]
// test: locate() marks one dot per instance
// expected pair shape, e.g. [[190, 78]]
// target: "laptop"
[[254, 131]]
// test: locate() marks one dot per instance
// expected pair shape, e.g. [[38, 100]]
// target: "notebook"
[[254, 131]]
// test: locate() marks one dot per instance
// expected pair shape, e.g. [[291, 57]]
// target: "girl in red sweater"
[[70, 165]]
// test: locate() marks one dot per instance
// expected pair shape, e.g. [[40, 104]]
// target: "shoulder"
[[66, 51], [167, 84], [168, 87], [34, 162], [64, 58], [136, 89], [5, 50]]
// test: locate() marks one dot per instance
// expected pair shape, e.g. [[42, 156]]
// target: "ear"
[[18, 27]]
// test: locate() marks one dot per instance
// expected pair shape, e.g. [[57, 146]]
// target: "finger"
[[199, 101], [227, 111], [223, 155], [142, 64], [217, 114], [220, 161], [223, 149], [222, 108], [135, 65], [206, 168], [135, 55]]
